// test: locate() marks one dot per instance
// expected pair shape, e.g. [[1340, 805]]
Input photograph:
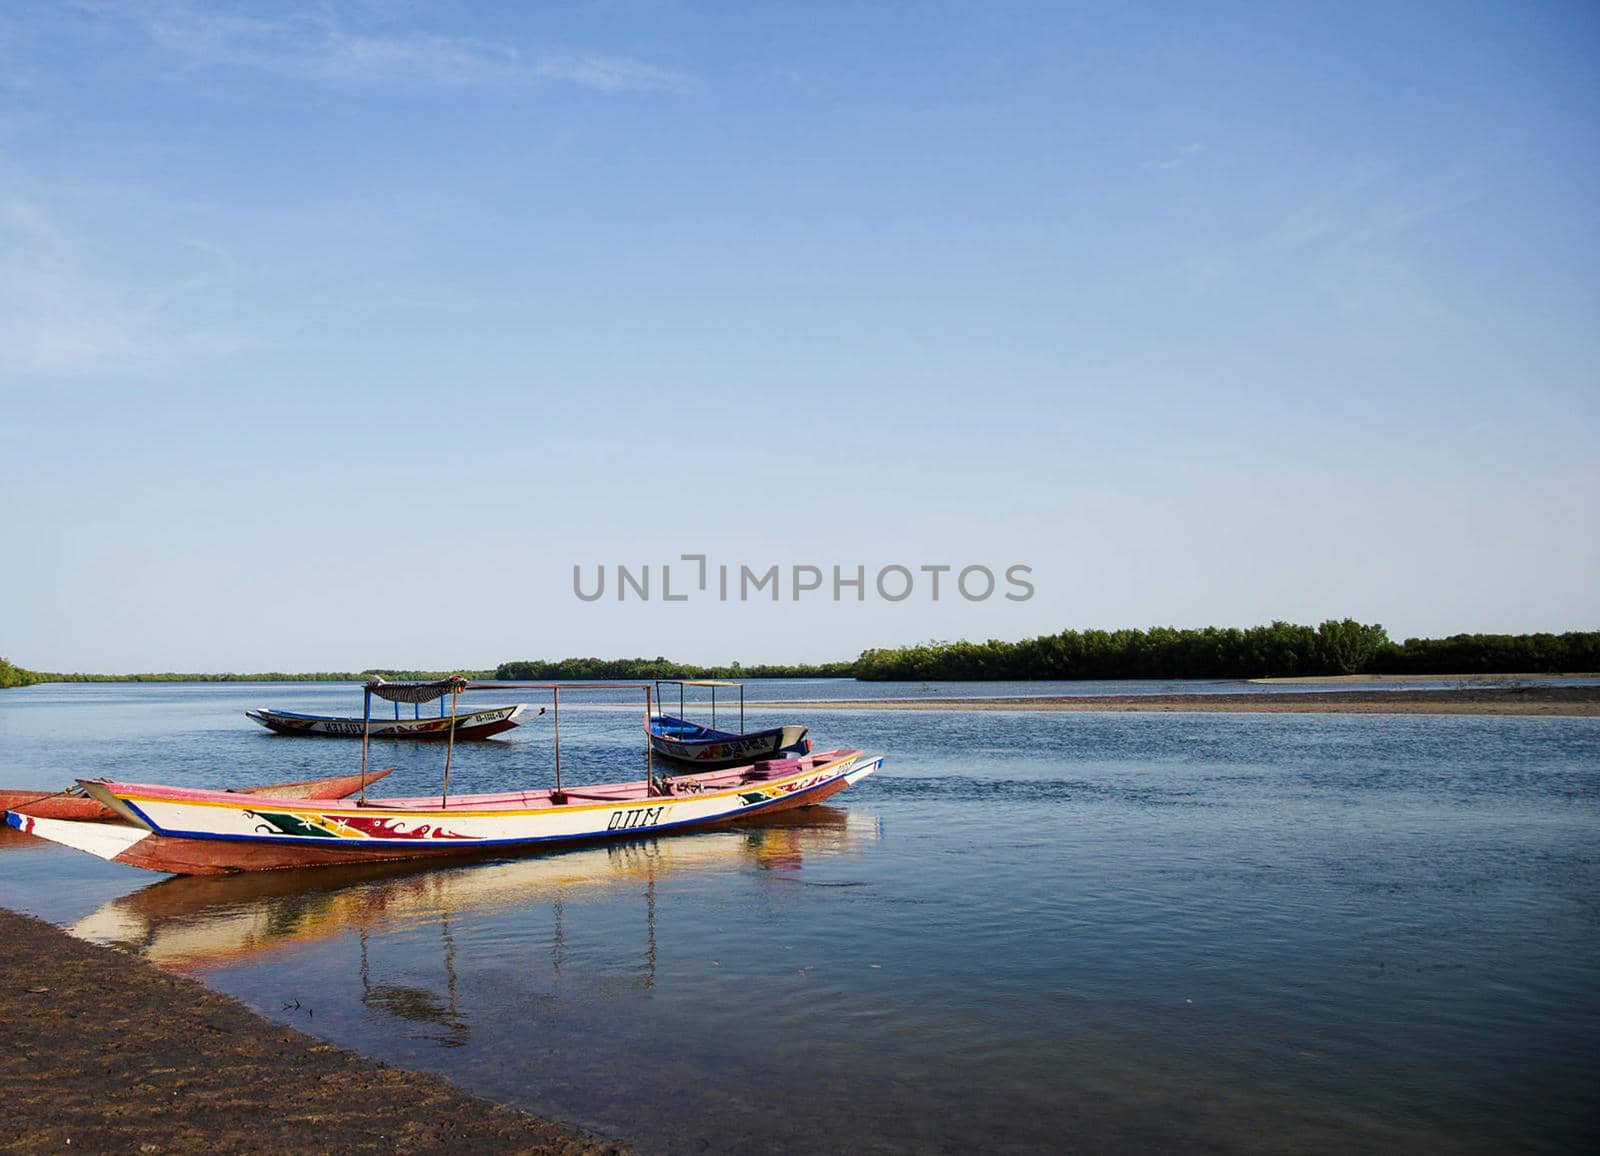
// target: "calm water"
[[1030, 932]]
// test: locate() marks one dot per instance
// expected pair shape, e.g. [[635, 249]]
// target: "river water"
[[1030, 932]]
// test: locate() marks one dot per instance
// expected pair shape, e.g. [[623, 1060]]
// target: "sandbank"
[[1532, 700]]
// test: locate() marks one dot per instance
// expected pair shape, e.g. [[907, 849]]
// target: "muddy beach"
[[101, 1051]]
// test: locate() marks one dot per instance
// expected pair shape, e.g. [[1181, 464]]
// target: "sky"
[[360, 334]]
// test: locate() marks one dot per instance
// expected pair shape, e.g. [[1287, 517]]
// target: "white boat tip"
[[107, 840], [862, 769]]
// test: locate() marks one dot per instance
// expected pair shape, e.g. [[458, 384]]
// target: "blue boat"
[[676, 738]]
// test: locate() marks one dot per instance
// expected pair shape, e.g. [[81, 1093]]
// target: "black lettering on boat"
[[638, 817]]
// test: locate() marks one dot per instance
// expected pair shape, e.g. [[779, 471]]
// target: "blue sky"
[[336, 335]]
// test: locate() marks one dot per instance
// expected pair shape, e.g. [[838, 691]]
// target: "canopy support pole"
[[366, 730], [444, 799], [649, 759], [555, 695]]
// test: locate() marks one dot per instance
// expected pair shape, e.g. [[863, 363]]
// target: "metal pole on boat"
[[649, 761], [366, 729], [444, 799], [555, 694], [741, 708], [713, 706]]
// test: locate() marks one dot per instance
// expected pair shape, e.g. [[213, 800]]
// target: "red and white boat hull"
[[211, 832]]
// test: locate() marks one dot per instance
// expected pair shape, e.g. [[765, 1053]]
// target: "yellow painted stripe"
[[648, 801]]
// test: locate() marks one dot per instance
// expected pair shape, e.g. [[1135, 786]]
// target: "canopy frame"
[[457, 685], [713, 683]]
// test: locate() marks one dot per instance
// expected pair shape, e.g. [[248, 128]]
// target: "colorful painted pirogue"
[[478, 724], [704, 746], [75, 803], [196, 832]]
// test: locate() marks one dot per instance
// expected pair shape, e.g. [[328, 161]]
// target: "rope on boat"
[[64, 793]]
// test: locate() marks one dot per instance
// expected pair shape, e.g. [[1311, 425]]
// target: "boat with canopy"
[[196, 832], [674, 737]]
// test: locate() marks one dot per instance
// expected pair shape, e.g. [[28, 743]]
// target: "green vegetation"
[[640, 668], [16, 676], [1281, 650], [1493, 654]]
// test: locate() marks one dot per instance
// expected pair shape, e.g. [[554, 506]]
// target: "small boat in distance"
[[74, 802], [478, 724], [193, 832], [674, 737]]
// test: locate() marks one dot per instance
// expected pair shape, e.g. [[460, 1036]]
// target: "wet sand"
[[1521, 700], [102, 1051]]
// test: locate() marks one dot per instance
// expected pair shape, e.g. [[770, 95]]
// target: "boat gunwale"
[[129, 794], [710, 736], [261, 712]]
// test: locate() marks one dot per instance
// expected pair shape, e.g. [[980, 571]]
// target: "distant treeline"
[[28, 677], [1281, 650], [1573, 652], [16, 676], [641, 668]]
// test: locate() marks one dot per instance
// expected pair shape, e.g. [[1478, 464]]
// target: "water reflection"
[[13, 839], [418, 1004], [201, 922]]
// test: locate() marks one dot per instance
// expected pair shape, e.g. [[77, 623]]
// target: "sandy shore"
[[1360, 679], [1530, 700], [101, 1051]]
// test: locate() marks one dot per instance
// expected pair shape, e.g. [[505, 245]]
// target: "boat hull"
[[721, 750], [479, 724], [83, 808], [209, 833]]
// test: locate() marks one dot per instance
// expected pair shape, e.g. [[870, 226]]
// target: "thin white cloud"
[[1373, 204], [321, 44], [1178, 159], [66, 314], [610, 74]]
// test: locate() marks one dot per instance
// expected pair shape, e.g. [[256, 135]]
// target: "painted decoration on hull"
[[348, 826]]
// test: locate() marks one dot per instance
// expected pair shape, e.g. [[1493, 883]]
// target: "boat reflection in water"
[[13, 839], [197, 923]]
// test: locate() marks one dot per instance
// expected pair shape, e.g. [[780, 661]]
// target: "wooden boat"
[[74, 803], [478, 724], [193, 832], [196, 832], [689, 742], [674, 737]]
